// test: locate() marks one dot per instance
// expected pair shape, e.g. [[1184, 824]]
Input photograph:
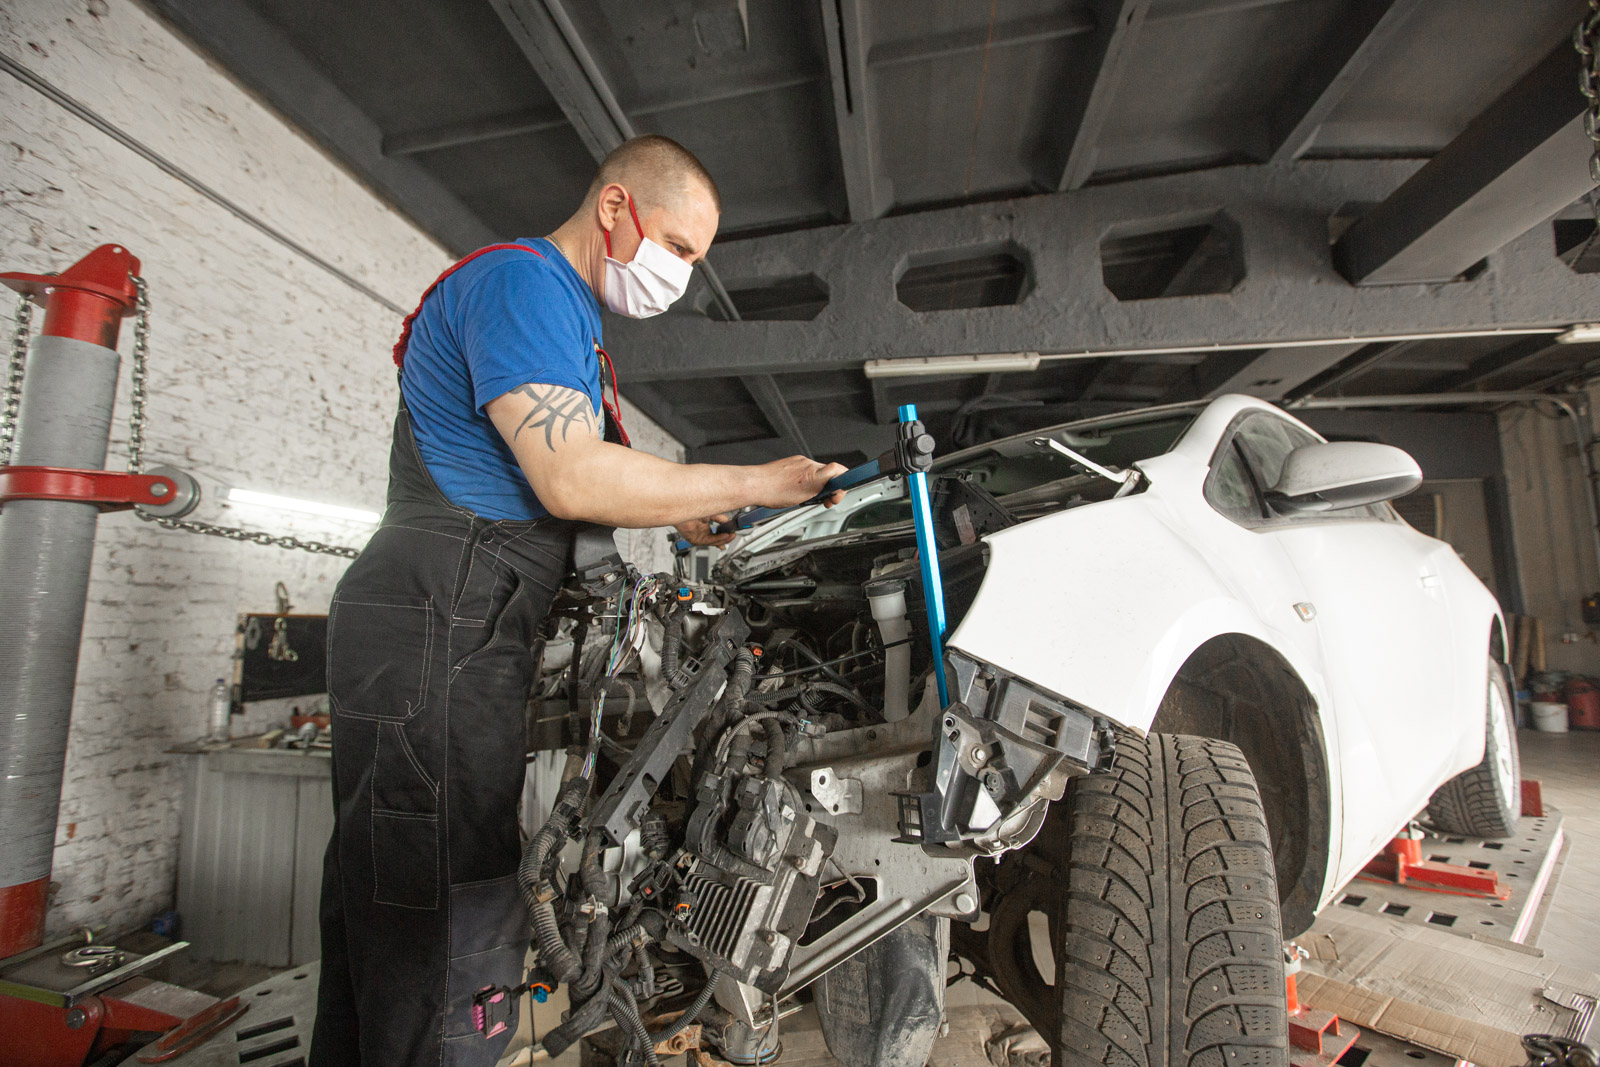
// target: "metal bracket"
[[109, 490]]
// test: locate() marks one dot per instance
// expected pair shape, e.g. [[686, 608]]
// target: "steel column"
[[46, 548]]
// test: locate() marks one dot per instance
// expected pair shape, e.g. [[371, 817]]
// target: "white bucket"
[[1549, 718]]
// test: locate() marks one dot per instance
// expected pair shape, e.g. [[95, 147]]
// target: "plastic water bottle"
[[221, 711]]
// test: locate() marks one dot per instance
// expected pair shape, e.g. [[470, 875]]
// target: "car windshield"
[[1025, 473]]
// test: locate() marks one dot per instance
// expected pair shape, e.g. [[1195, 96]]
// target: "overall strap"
[[613, 406], [405, 328]]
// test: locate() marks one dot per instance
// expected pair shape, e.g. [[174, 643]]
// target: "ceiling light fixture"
[[925, 366], [310, 507], [930, 366], [1579, 333]]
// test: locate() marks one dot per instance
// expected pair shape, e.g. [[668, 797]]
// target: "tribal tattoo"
[[555, 408]]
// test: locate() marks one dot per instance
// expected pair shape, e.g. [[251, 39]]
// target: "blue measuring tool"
[[913, 451], [928, 553]]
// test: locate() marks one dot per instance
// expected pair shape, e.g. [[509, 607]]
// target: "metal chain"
[[141, 353], [136, 425], [234, 533], [1586, 39], [13, 394]]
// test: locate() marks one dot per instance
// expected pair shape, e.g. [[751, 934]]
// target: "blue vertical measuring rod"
[[928, 552]]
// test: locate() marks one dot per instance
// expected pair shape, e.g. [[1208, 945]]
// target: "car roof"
[[1213, 416]]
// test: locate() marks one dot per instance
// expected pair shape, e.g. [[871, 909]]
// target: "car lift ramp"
[[1449, 968]]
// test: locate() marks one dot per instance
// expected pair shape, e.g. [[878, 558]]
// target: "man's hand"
[[787, 482], [698, 531]]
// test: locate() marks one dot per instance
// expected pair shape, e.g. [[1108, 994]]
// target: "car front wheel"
[[1486, 800], [1168, 945]]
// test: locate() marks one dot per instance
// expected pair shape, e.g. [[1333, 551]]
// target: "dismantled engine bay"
[[762, 794]]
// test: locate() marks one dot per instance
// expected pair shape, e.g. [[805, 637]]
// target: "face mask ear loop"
[[632, 211]]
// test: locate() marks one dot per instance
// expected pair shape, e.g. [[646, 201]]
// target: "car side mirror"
[[1330, 475]]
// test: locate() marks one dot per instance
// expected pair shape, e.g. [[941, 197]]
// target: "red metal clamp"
[[1401, 863], [89, 299], [111, 490]]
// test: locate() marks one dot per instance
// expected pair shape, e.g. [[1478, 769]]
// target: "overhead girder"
[[1290, 291], [1518, 163], [264, 58], [546, 35], [868, 191], [1359, 36], [1088, 101]]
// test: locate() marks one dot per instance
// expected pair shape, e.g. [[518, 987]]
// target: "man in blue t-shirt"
[[504, 441]]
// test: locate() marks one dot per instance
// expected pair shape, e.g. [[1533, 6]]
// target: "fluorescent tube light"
[[310, 507], [1581, 333], [925, 366], [931, 366]]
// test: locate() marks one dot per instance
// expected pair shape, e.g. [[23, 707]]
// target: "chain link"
[[234, 533], [141, 353], [136, 424], [1586, 39], [137, 418], [13, 394]]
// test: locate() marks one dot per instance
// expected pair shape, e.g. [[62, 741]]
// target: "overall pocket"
[[405, 824], [379, 653]]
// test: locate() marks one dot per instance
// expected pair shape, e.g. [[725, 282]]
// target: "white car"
[[1198, 673], [1250, 585]]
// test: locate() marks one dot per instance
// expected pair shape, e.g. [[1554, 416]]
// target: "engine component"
[[752, 870], [621, 808], [887, 600]]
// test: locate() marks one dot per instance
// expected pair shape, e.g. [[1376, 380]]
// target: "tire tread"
[[1169, 949]]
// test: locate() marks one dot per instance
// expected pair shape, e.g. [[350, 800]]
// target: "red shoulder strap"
[[405, 327]]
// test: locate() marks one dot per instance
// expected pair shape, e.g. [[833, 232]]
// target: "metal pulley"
[[181, 500]]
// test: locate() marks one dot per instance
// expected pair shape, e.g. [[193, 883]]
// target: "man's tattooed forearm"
[[554, 408]]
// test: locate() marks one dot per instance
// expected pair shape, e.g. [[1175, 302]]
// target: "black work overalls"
[[429, 671]]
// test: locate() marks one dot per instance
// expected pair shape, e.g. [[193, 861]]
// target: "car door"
[[1374, 588]]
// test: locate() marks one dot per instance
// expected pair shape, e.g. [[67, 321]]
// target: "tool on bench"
[[912, 454]]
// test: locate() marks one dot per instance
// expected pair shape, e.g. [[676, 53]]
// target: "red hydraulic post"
[[46, 545]]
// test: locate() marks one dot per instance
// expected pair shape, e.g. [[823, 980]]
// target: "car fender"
[[1103, 604]]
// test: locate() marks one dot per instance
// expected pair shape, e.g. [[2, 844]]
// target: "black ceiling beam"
[[1088, 102], [648, 399], [1291, 293], [1346, 370], [545, 33], [1275, 371], [884, 409], [868, 191], [1337, 64], [1522, 160], [263, 57], [476, 131], [1519, 353]]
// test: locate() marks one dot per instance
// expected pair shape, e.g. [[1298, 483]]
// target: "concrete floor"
[[1568, 768]]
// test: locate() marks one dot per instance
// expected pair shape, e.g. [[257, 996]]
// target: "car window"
[[1230, 489], [1266, 442]]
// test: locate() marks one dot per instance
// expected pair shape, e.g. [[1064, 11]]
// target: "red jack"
[[1316, 1038], [1401, 862]]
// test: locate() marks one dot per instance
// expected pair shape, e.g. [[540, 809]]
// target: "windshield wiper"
[[1127, 479]]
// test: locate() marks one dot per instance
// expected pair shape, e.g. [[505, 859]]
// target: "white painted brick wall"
[[266, 373]]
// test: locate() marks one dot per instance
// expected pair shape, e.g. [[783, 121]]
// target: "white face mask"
[[648, 284]]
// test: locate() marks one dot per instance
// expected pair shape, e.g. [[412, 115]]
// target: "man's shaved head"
[[657, 170]]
